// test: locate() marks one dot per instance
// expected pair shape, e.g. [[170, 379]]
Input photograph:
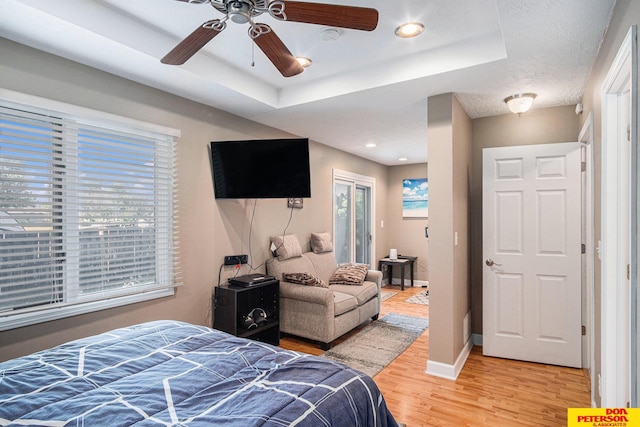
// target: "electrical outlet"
[[235, 259]]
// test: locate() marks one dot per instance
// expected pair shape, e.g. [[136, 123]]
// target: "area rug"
[[378, 343], [420, 298], [386, 295]]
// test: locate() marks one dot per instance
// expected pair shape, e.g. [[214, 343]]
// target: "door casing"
[[619, 105]]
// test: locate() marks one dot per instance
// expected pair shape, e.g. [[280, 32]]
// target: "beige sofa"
[[318, 313]]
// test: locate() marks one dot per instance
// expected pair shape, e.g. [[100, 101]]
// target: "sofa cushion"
[[301, 264], [343, 302], [321, 242], [324, 264], [349, 274], [304, 279], [287, 246], [362, 293]]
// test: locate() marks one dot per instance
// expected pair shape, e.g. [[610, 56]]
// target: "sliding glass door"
[[353, 217]]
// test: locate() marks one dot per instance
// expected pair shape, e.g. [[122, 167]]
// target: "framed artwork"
[[415, 198]]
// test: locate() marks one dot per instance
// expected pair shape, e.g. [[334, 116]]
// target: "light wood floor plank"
[[488, 392]]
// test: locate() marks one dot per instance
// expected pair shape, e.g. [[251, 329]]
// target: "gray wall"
[[449, 139], [625, 14], [543, 126], [406, 234], [208, 229]]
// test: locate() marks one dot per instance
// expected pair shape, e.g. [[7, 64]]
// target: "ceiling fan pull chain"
[[255, 31]]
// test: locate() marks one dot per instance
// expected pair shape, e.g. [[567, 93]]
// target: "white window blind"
[[86, 214]]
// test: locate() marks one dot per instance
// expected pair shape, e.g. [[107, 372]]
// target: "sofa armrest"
[[374, 276], [310, 294]]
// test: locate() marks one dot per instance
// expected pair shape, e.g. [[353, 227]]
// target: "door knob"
[[490, 263]]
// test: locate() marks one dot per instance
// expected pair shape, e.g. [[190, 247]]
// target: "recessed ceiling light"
[[371, 145], [402, 159], [305, 62], [410, 29]]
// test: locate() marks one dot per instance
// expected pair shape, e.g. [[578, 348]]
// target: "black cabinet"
[[232, 303]]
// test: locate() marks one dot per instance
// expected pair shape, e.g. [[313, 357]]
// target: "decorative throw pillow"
[[287, 247], [304, 279], [321, 242], [349, 274]]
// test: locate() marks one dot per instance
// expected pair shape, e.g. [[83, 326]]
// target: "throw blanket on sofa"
[[174, 373]]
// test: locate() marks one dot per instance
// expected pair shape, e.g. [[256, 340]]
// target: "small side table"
[[401, 262], [230, 302]]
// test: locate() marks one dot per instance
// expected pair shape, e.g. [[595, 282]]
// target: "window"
[[353, 217], [86, 211]]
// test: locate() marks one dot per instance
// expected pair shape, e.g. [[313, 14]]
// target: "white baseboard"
[[450, 372]]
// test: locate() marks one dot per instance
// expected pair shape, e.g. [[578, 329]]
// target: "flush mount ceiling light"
[[520, 103], [305, 62], [410, 29]]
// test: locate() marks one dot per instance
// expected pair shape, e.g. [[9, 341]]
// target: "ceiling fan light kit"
[[244, 11], [520, 103], [305, 62]]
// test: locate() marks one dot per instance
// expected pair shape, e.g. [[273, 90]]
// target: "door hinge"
[[629, 133], [583, 248], [628, 272], [584, 330], [583, 166]]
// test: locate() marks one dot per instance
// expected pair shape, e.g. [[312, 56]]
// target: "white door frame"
[[615, 321], [588, 283]]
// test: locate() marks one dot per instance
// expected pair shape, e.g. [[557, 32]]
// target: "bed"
[[179, 374]]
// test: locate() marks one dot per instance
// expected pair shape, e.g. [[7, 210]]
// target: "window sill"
[[9, 321]]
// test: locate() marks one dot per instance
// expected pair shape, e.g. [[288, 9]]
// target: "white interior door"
[[532, 253]]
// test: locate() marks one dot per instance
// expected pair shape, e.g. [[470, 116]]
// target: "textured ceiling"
[[363, 87]]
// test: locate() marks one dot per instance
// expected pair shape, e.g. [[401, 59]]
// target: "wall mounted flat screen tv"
[[261, 169]]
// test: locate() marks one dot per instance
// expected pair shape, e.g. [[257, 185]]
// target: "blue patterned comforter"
[[177, 374]]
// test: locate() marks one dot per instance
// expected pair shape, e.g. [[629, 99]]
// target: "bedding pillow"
[[349, 274], [321, 242], [287, 247], [304, 279]]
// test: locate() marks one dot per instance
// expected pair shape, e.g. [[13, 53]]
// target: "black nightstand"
[[231, 303]]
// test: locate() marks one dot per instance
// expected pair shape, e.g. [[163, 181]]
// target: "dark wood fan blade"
[[189, 46], [332, 15], [278, 54]]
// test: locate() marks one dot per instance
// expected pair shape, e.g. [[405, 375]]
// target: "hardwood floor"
[[488, 391]]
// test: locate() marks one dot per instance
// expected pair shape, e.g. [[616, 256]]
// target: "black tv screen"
[[261, 169]]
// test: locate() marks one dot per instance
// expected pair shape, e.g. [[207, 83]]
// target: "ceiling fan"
[[243, 11]]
